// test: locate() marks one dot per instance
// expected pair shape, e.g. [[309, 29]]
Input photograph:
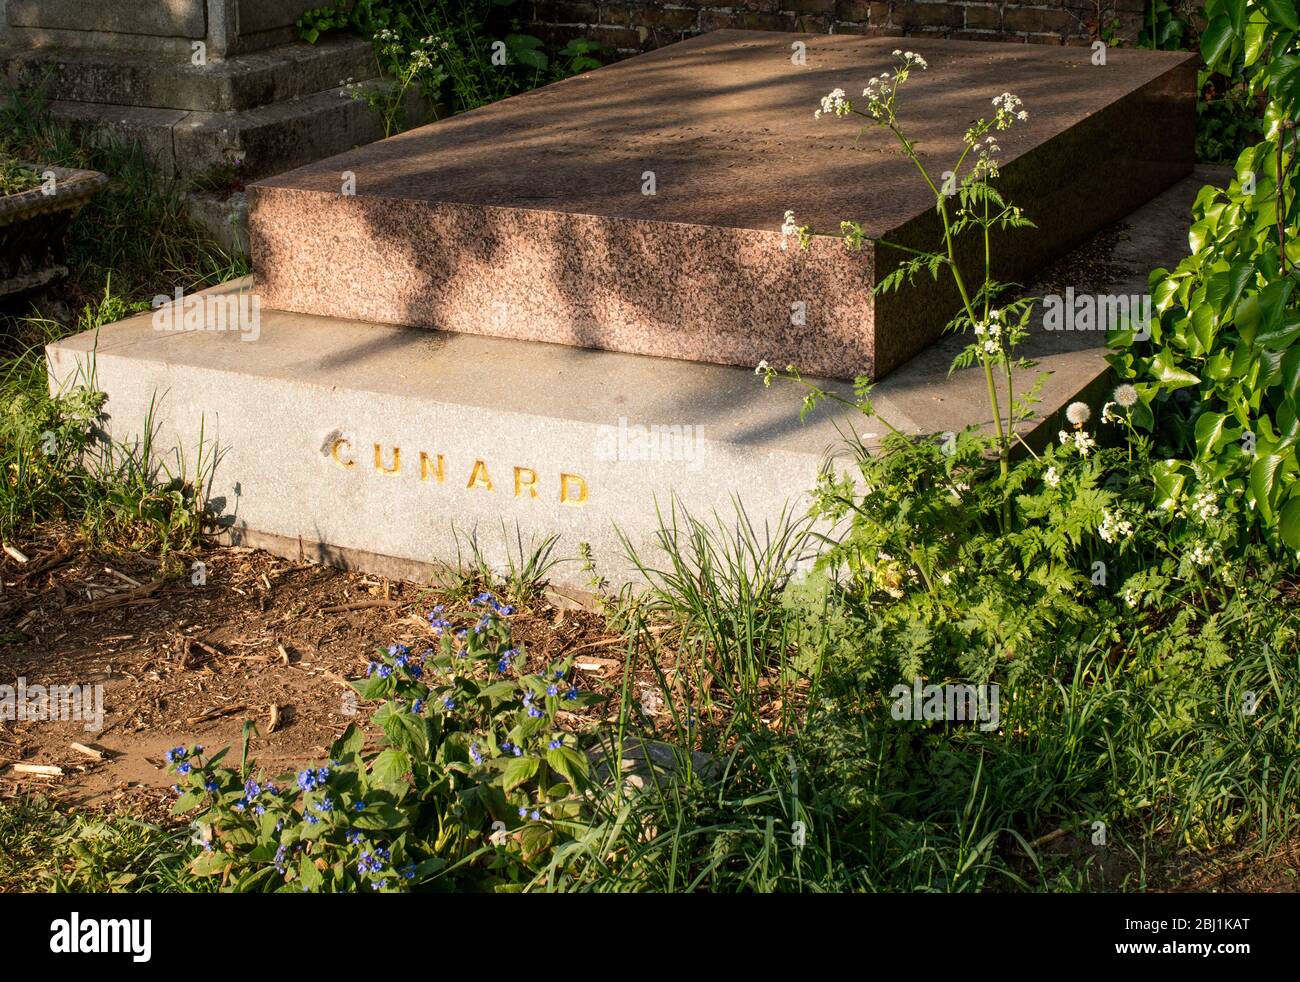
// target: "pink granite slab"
[[527, 218]]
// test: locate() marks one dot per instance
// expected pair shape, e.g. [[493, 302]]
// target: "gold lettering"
[[567, 498], [334, 452], [479, 476], [427, 467], [529, 482], [397, 461]]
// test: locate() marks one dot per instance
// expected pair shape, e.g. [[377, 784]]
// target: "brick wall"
[[627, 26]]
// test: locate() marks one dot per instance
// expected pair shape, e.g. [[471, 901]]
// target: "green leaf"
[[568, 762], [309, 876], [1216, 44], [499, 691], [389, 770], [1209, 430], [1289, 521], [379, 816], [1283, 12], [1263, 483], [187, 801], [1255, 33], [210, 863], [1279, 338], [519, 770], [407, 731], [1236, 11], [1291, 374], [1169, 481], [373, 687], [1170, 374], [349, 743]]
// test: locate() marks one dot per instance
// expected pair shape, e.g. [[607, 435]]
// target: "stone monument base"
[[375, 446]]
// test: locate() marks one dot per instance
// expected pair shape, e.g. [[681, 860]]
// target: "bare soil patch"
[[182, 662]]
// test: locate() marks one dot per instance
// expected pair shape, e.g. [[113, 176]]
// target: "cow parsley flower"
[[1205, 506], [1113, 527], [834, 102]]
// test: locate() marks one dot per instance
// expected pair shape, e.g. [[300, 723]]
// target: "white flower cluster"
[[877, 95], [1051, 478], [911, 59], [990, 332], [835, 102], [1202, 554], [1113, 528], [879, 91], [1205, 505], [1007, 110], [1082, 441]]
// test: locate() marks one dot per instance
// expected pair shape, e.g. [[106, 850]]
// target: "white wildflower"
[[762, 367], [835, 102], [1083, 443], [1051, 478], [1202, 554], [1113, 528], [1205, 505], [1007, 110]]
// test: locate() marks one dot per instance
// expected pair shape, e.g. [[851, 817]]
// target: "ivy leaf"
[[1170, 374]]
